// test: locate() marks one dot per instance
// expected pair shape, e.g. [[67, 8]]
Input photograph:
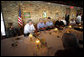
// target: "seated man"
[[11, 32], [49, 23], [29, 28], [61, 23], [72, 22], [41, 26], [78, 19], [64, 21], [58, 23]]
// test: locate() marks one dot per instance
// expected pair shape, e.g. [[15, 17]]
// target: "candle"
[[56, 29], [30, 36], [70, 26], [80, 24], [80, 27], [37, 41]]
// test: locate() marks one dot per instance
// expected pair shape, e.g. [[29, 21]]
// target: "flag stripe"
[[20, 19], [19, 23]]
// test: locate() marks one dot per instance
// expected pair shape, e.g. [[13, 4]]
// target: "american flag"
[[20, 23]]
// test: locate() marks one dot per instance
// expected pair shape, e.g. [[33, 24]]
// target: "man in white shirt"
[[78, 19], [29, 28]]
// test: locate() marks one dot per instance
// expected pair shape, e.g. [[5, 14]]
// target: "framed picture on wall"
[[44, 14], [57, 14], [27, 15]]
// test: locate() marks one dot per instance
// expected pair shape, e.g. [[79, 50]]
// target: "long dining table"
[[26, 47]]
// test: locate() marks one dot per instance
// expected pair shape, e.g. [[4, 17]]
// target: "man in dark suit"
[[67, 19]]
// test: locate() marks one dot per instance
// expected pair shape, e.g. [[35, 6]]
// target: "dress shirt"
[[29, 28], [41, 25], [49, 23]]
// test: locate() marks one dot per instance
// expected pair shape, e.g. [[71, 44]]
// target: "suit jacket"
[[67, 17]]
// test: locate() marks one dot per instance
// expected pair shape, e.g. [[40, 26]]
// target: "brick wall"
[[36, 8]]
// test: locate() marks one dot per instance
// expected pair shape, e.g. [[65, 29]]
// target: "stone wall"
[[10, 12], [36, 8]]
